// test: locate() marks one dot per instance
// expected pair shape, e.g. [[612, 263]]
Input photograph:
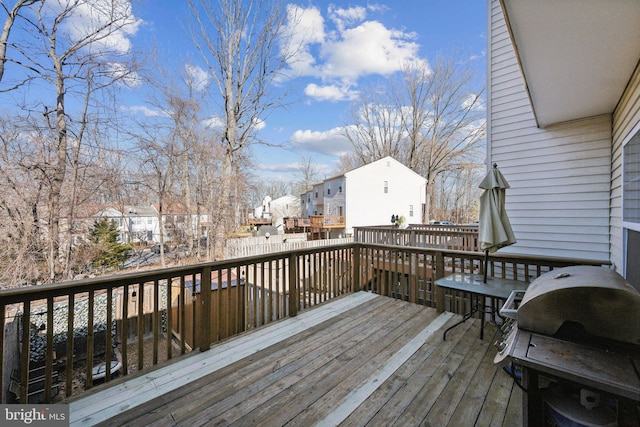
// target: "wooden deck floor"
[[359, 360]]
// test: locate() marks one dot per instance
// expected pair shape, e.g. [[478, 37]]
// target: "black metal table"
[[495, 288]]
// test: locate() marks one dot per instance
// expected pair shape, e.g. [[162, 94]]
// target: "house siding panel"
[[366, 202], [626, 121], [560, 176]]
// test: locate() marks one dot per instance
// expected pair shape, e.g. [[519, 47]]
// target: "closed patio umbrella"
[[495, 229]]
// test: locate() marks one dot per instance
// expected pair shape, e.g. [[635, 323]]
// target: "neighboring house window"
[[410, 210], [328, 191], [340, 189], [339, 210], [309, 198], [386, 187], [316, 194], [315, 212]]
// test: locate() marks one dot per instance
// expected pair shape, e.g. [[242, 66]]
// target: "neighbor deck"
[[361, 359]]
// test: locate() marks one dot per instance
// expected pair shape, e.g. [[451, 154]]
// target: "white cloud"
[[127, 77], [369, 48], [259, 124], [342, 17], [197, 77], [330, 143], [306, 28], [280, 167], [473, 102], [352, 48], [89, 19], [217, 122], [330, 92], [146, 111], [212, 122]]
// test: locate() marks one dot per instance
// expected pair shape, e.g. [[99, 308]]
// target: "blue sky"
[[352, 42], [408, 29]]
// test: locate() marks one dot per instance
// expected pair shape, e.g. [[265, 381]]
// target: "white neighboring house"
[[563, 125], [277, 209], [368, 195], [142, 224]]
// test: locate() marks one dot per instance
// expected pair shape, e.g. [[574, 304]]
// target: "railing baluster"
[[3, 319], [255, 295], [48, 370], [270, 300], [182, 312], [205, 309], [155, 318], [26, 350], [168, 306], [108, 336], [90, 338], [124, 330], [140, 319]]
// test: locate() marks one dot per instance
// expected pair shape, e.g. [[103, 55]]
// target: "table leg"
[[474, 308], [482, 314]]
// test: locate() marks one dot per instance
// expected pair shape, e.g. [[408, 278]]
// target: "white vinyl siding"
[[366, 203], [626, 122], [560, 176]]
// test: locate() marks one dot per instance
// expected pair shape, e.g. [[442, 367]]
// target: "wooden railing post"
[[205, 308], [439, 274], [357, 286], [294, 300]]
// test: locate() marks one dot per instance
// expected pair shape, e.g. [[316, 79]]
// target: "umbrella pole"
[[486, 265]]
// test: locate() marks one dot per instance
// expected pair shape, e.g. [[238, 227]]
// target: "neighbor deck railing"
[[56, 334], [462, 238]]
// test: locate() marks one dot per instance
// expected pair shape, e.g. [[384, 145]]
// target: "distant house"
[[564, 126], [368, 195], [140, 223], [273, 211]]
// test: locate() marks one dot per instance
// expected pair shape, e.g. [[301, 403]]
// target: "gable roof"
[[384, 159]]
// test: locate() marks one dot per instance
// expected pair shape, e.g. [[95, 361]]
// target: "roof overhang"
[[577, 56]]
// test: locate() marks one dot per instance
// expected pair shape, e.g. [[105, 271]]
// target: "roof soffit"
[[577, 56]]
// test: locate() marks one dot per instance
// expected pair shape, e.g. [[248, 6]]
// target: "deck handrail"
[[463, 238], [194, 306], [325, 221]]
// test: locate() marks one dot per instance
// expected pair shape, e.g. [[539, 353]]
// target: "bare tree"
[[158, 157], [445, 121], [180, 96], [77, 58], [245, 45], [377, 127], [12, 15], [428, 119], [308, 174], [21, 259]]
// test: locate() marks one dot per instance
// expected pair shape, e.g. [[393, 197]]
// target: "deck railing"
[[56, 334], [461, 238], [326, 221]]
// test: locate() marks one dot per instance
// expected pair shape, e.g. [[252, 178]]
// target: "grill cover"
[[597, 298]]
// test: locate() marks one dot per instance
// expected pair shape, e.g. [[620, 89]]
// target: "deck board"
[[361, 360]]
